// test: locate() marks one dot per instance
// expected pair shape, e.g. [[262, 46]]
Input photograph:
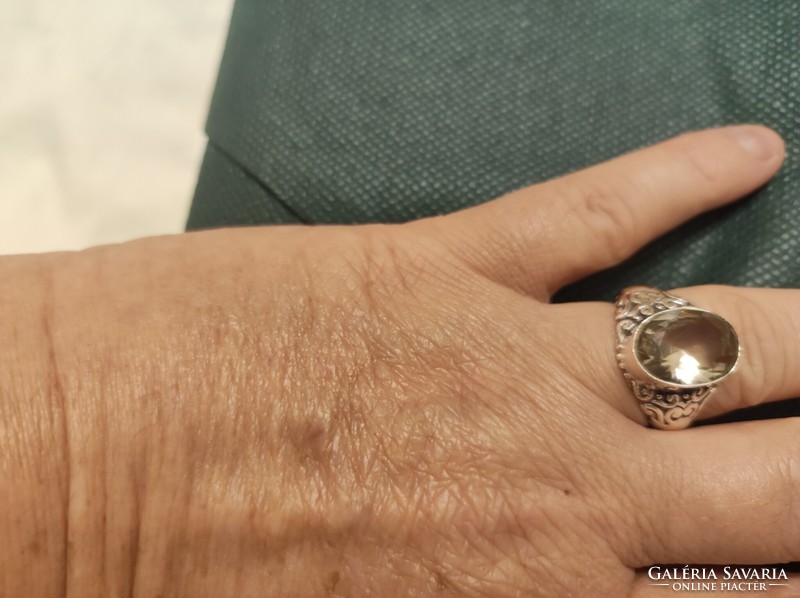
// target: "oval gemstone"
[[686, 346]]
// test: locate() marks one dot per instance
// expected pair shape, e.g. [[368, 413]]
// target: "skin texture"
[[386, 410]]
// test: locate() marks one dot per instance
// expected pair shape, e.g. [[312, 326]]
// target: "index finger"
[[539, 238]]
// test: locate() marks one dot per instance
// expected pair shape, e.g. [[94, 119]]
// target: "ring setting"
[[672, 354]]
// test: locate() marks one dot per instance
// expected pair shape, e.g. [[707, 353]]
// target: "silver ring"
[[672, 354]]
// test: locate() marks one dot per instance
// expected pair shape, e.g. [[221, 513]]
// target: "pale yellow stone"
[[687, 347]]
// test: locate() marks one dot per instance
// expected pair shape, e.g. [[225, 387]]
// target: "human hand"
[[399, 411]]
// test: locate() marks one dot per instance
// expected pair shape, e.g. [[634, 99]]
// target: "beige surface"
[[102, 105]]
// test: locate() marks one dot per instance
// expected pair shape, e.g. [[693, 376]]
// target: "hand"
[[398, 410]]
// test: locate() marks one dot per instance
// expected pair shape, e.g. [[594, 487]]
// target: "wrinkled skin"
[[386, 410]]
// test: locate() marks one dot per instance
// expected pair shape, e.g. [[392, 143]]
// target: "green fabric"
[[358, 111], [234, 195]]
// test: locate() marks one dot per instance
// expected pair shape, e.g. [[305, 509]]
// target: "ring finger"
[[767, 322]]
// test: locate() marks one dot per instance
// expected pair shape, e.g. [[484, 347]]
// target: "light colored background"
[[102, 107]]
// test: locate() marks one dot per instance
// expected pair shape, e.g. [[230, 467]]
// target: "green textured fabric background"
[[360, 110]]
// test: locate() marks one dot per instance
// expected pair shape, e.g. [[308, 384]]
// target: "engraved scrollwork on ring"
[[636, 305], [669, 408]]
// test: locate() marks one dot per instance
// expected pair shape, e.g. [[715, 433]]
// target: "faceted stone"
[[686, 346]]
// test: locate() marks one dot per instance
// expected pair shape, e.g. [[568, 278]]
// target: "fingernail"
[[759, 142]]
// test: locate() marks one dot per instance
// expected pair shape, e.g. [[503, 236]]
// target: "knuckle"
[[604, 210], [404, 265], [358, 273], [386, 270], [702, 163]]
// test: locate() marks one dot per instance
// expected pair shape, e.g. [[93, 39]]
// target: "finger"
[[767, 322], [727, 494], [539, 238]]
